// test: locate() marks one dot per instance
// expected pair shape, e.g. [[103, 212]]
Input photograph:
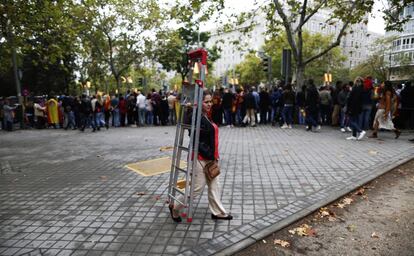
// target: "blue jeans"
[[71, 120], [239, 117], [301, 116], [141, 116], [227, 116], [312, 117], [150, 117], [287, 114], [364, 117], [115, 118], [354, 123], [344, 121], [99, 119]]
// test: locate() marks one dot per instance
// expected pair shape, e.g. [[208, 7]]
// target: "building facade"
[[400, 59], [355, 45]]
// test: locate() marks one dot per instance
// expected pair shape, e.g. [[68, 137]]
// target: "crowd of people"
[[355, 106]]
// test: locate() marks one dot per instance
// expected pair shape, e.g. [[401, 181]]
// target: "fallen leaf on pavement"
[[165, 148], [264, 241], [374, 235], [303, 230], [339, 205], [373, 152], [140, 193], [282, 243], [360, 192], [347, 200], [351, 228], [104, 178], [324, 212], [157, 197], [98, 156]]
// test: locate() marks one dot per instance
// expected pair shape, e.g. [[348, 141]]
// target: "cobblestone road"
[[68, 193]]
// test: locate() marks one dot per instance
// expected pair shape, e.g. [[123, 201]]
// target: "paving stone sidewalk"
[[69, 193]]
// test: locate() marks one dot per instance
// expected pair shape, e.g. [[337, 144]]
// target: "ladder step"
[[180, 169], [175, 198], [183, 148], [178, 190], [186, 126]]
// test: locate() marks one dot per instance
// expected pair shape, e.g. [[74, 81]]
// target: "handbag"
[[211, 169]]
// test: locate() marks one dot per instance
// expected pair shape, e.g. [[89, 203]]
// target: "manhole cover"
[[153, 167]]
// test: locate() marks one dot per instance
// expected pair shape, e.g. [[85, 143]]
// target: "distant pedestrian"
[[354, 109], [312, 106], [288, 105], [383, 117]]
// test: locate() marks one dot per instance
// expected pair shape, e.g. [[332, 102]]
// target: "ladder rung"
[[178, 201], [186, 126], [180, 169], [178, 190], [183, 148]]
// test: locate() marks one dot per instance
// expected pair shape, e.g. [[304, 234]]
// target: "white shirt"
[[141, 101]]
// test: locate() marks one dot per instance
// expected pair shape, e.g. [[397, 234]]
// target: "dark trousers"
[[354, 123]]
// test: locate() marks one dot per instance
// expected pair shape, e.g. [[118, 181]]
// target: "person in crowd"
[[276, 101], [94, 112], [288, 105], [407, 105], [76, 111], [131, 108], [342, 100], [39, 112], [107, 108], [257, 101], [122, 110], [85, 112], [164, 110], [300, 103], [171, 108], [312, 106], [116, 122], [367, 102], [251, 106], [217, 112], [383, 117], [336, 111], [52, 113], [8, 115], [177, 106], [141, 108], [207, 151], [71, 122], [226, 104], [156, 100], [238, 102], [264, 105], [99, 105], [354, 109], [325, 105], [149, 110]]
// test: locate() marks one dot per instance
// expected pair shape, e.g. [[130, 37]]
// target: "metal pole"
[[18, 87]]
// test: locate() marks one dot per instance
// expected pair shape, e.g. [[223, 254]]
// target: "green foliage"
[[250, 70], [313, 43]]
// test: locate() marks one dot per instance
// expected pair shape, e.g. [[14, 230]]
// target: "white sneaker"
[[284, 126], [349, 129], [352, 138], [361, 135], [228, 126], [343, 130], [318, 127], [289, 126]]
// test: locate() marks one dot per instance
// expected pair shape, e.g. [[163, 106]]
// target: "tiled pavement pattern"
[[68, 193]]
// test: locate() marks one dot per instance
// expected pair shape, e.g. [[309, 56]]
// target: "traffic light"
[[266, 64], [140, 81]]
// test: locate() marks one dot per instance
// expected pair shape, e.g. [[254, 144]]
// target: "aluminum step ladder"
[[189, 121]]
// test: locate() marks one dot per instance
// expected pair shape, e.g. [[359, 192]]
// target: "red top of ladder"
[[199, 54]]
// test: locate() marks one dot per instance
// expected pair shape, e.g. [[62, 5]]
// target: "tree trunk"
[[300, 75], [118, 84]]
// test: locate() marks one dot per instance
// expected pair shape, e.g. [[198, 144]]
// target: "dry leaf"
[[303, 230], [351, 228], [282, 243], [360, 192], [347, 200], [264, 241], [165, 148], [339, 205], [98, 156], [140, 193], [157, 197], [373, 152], [104, 178], [374, 235]]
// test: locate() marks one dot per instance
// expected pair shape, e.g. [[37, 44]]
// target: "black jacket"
[[206, 143], [354, 104]]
